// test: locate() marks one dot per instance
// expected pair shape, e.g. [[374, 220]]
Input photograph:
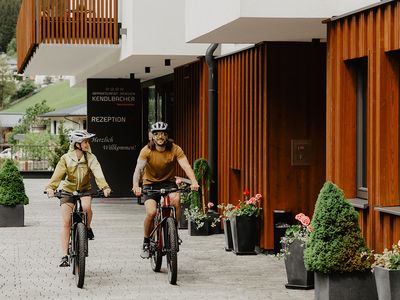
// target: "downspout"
[[212, 123]]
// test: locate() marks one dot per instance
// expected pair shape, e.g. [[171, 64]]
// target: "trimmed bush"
[[12, 189], [336, 244]]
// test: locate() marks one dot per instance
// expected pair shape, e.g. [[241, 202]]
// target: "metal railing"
[[32, 157]]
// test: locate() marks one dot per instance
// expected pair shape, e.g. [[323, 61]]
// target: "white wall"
[[205, 16], [156, 27]]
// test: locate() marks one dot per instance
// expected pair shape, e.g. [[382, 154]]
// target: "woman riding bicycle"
[[157, 164], [75, 168]]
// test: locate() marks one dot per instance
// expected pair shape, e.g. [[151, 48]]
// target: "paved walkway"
[[29, 257]]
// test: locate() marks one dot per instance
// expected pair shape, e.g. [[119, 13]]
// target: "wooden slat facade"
[[267, 96], [65, 22], [372, 35]]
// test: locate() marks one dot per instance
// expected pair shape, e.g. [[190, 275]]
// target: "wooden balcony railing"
[[65, 22]]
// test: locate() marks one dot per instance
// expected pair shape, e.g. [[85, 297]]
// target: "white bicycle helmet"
[[159, 126], [77, 136]]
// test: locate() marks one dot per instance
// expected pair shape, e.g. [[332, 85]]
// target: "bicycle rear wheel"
[[80, 255], [172, 251], [156, 252]]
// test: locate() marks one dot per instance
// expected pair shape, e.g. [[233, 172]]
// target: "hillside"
[[59, 95]]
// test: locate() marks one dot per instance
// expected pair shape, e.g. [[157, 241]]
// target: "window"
[[361, 94], [155, 106]]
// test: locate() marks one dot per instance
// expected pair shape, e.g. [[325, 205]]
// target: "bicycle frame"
[[164, 211]]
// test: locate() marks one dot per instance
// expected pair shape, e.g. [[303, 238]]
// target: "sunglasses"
[[159, 133]]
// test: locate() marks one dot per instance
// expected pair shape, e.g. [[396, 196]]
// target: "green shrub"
[[336, 244], [12, 189]]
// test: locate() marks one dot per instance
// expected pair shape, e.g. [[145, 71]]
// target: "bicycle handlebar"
[[164, 192], [60, 194]]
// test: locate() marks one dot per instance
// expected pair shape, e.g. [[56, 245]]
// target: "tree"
[[7, 83], [12, 190], [336, 244], [61, 147], [12, 47], [31, 119], [27, 87], [8, 16]]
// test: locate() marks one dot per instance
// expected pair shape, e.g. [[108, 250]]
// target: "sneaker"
[[64, 261], [90, 234], [179, 240], [145, 251]]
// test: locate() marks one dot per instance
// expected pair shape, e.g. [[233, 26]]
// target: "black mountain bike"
[[164, 236], [78, 243]]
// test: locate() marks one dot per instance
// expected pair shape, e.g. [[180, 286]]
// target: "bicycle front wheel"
[[80, 254], [172, 250], [156, 252]]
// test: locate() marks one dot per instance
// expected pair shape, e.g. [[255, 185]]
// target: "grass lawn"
[[59, 95]]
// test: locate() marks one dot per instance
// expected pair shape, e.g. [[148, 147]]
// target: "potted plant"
[[12, 196], [293, 244], [199, 221], [386, 269], [335, 249], [227, 212], [201, 218], [244, 224], [182, 183]]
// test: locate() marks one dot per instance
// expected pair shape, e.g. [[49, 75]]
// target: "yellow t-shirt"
[[160, 166]]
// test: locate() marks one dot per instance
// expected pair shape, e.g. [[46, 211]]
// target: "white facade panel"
[[156, 27], [244, 21]]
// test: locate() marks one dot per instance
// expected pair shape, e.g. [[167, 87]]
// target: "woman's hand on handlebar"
[[50, 193], [137, 191], [107, 192]]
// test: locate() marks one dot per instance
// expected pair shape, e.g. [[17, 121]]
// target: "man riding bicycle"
[[75, 168], [157, 164]]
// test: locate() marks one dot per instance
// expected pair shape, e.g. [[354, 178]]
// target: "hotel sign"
[[114, 112]]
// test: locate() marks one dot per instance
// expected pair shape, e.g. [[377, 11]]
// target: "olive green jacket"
[[76, 173]]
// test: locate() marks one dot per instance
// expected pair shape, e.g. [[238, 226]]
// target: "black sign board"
[[114, 111]]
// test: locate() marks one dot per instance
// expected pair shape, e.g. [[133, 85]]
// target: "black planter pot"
[[203, 230], [12, 216], [387, 283], [183, 222], [297, 275], [244, 234], [228, 235], [213, 215], [348, 286]]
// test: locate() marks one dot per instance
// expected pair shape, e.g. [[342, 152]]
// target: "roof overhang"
[[253, 30], [69, 59]]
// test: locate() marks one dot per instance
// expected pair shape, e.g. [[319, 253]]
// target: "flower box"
[[244, 234], [387, 283]]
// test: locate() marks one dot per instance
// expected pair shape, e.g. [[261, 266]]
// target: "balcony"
[[84, 29]]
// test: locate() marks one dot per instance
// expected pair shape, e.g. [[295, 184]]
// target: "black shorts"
[[157, 186]]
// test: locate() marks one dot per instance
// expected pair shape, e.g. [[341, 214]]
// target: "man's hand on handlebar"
[[194, 186], [137, 191], [107, 192], [50, 193]]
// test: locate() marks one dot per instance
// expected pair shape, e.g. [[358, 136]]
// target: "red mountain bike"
[[164, 236]]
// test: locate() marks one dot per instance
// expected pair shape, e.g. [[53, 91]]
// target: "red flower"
[[246, 193]]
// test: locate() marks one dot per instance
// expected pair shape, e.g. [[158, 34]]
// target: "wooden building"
[[363, 116], [271, 101]]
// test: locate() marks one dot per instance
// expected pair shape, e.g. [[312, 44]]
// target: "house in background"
[[7, 122], [276, 99], [73, 117]]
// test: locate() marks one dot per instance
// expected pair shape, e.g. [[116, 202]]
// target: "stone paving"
[[29, 258]]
